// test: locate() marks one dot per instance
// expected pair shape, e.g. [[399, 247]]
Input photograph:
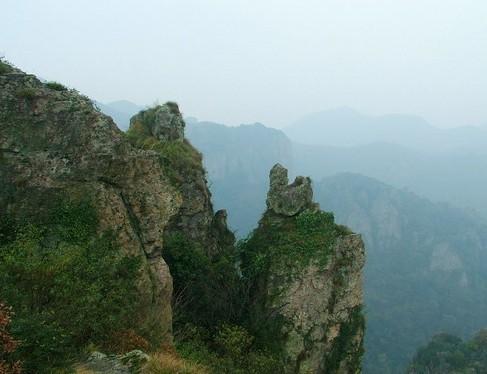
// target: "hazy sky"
[[237, 61]]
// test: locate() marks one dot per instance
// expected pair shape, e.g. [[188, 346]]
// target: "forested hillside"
[[426, 269]]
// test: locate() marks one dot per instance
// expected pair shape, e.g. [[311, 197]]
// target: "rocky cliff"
[[307, 283], [73, 188], [55, 145]]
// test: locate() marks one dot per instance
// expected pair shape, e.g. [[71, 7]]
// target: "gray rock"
[[289, 200], [127, 363]]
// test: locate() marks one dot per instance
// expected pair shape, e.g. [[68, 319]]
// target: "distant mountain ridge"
[[345, 127]]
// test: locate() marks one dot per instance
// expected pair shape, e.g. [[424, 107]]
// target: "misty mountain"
[[457, 177], [344, 127], [426, 269]]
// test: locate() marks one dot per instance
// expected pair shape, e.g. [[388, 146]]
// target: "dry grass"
[[168, 363], [82, 370]]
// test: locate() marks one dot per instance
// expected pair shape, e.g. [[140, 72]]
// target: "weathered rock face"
[[311, 280], [53, 142]]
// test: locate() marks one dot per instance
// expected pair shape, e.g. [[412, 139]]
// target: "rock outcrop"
[[288, 200], [164, 122], [54, 142], [309, 278]]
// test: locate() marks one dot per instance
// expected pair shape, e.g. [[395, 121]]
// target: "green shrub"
[[55, 86], [5, 67], [231, 350], [234, 342], [69, 286]]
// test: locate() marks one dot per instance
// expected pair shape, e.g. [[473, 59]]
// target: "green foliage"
[[231, 350], [27, 93], [234, 342], [447, 353], [55, 86], [289, 244], [69, 286]]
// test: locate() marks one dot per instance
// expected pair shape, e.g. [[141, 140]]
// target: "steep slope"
[[425, 271]]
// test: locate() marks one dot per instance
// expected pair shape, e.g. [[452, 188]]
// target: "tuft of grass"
[[55, 86], [83, 370], [169, 363]]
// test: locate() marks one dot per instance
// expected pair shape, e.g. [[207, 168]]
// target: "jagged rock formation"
[[288, 200], [54, 143], [309, 281]]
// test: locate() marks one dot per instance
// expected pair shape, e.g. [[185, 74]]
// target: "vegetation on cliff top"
[[180, 159], [289, 244]]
